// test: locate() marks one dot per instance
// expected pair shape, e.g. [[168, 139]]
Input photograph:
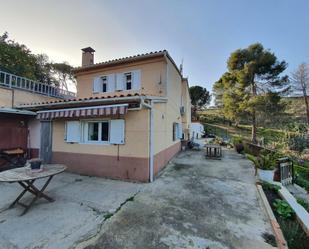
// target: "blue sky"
[[202, 33]]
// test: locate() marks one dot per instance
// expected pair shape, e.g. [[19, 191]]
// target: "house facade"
[[127, 121]]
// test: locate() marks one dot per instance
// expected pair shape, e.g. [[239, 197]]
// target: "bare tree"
[[300, 80]]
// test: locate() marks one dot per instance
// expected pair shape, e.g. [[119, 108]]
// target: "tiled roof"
[[122, 60], [128, 60], [81, 99]]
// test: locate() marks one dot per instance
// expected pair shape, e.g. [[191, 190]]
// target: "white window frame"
[[85, 131]]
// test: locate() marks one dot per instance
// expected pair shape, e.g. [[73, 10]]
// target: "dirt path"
[[195, 203]]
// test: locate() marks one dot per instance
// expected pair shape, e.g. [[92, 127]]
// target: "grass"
[[269, 135]]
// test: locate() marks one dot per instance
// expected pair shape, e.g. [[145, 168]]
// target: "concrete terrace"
[[195, 203]]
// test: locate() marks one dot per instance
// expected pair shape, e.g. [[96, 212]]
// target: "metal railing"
[[286, 170], [14, 81]]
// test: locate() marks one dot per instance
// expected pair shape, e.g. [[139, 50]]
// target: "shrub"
[[283, 209], [304, 203], [237, 140], [302, 182], [253, 159], [303, 171], [298, 143], [270, 186], [294, 234]]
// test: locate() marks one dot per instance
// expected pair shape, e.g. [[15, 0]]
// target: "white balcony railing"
[[14, 81]]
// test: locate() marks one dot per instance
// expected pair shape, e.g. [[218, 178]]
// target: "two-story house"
[[127, 121]]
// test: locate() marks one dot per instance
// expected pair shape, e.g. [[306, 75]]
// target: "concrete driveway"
[[82, 204], [196, 203]]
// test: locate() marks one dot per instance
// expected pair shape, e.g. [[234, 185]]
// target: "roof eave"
[[118, 62]]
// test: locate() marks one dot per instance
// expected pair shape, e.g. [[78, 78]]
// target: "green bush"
[[269, 159], [270, 186], [302, 182], [298, 143], [253, 159], [304, 203], [237, 140], [302, 171], [294, 234], [265, 162], [283, 209]]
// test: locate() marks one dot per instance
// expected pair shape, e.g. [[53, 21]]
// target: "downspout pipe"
[[149, 105], [151, 157]]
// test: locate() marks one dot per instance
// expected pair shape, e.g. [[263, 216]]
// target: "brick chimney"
[[87, 56]]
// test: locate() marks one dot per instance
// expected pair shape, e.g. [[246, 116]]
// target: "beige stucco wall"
[[20, 97], [165, 114], [153, 78], [186, 118], [136, 138]]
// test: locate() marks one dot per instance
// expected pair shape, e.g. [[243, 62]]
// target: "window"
[[177, 131], [96, 132], [104, 84], [128, 81]]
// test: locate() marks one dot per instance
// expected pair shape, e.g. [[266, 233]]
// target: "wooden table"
[[26, 177], [213, 151]]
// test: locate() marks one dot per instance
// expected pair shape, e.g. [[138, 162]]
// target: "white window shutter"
[[97, 85], [111, 83], [136, 79], [117, 127], [119, 81], [72, 131]]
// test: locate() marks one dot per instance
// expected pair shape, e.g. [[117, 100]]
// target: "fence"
[[14, 81], [285, 166]]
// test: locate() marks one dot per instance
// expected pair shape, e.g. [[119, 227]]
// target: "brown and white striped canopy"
[[91, 111]]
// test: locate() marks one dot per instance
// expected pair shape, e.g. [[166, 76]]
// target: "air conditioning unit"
[[182, 110]]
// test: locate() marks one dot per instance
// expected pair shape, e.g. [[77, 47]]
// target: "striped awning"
[[91, 111]]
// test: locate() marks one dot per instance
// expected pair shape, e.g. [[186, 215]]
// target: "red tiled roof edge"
[[81, 99], [126, 60]]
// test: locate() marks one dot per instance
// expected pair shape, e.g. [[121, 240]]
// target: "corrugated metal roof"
[[16, 111]]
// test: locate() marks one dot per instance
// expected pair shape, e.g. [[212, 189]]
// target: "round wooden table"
[[26, 177]]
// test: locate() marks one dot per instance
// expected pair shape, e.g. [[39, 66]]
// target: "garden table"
[[26, 177], [213, 151]]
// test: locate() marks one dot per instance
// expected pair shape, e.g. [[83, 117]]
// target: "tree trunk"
[[254, 126], [307, 105]]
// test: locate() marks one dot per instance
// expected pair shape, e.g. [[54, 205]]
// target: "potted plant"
[[35, 163], [239, 147]]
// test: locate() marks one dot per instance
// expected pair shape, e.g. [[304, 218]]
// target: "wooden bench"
[[213, 151]]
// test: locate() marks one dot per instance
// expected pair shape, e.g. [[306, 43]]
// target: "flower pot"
[[35, 164], [239, 148]]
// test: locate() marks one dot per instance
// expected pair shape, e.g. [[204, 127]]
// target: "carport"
[[14, 131]]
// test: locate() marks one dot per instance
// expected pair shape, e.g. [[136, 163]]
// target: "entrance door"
[[46, 141]]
